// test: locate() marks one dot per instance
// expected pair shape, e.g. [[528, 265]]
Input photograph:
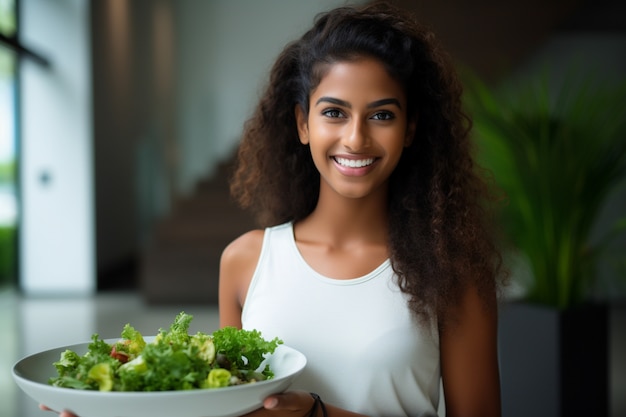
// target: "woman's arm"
[[469, 359], [237, 265]]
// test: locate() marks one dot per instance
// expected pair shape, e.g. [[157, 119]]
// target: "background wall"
[[174, 82], [225, 52], [56, 160]]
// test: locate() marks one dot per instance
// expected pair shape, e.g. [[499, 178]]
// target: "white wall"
[[56, 235], [225, 50], [174, 81]]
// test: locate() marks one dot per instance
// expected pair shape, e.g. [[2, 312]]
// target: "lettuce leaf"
[[175, 360], [244, 349]]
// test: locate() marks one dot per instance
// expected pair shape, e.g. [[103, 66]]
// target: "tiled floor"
[[29, 325]]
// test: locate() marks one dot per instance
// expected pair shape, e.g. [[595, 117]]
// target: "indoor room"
[[120, 122]]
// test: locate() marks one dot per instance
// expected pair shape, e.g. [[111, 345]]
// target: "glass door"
[[8, 145]]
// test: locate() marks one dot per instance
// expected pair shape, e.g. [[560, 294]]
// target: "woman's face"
[[357, 127]]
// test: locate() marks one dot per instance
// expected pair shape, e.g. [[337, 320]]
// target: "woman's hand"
[[292, 403], [288, 404], [61, 414]]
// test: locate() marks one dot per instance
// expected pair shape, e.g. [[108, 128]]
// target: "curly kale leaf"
[[175, 360], [73, 370], [244, 349], [178, 332]]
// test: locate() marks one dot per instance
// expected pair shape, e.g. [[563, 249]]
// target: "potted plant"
[[558, 153]]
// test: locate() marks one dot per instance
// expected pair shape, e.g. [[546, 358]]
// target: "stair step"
[[181, 262]]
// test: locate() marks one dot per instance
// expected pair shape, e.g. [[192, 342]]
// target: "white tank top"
[[365, 352]]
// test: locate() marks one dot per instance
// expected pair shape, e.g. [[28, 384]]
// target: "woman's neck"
[[342, 220]]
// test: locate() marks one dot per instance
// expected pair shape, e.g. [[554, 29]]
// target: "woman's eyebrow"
[[343, 103], [333, 100], [384, 102]]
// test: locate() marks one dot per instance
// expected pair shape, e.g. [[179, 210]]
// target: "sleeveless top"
[[365, 351]]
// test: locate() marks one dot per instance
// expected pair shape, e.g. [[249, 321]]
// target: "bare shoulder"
[[244, 249], [237, 265]]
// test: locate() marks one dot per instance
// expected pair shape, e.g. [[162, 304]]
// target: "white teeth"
[[354, 163]]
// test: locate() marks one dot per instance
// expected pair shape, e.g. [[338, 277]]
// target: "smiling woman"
[[356, 128], [375, 239], [375, 256]]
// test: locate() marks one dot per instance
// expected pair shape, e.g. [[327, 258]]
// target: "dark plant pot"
[[554, 363]]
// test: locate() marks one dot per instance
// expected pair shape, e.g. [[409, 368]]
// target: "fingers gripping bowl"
[[33, 374]]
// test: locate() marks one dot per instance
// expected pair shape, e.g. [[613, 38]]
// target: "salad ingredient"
[[102, 375], [218, 378], [243, 350], [174, 360]]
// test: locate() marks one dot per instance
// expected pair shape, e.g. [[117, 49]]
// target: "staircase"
[[181, 263]]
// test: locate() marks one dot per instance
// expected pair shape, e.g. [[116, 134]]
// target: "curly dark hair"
[[440, 233]]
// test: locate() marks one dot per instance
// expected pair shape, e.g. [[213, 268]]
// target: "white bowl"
[[32, 373]]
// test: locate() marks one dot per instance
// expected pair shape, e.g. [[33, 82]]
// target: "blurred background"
[[119, 120]]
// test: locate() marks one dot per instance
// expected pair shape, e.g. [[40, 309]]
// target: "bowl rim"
[[17, 375]]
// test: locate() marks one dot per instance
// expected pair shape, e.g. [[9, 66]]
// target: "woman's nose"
[[356, 136]]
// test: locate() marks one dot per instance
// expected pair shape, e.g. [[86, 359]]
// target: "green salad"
[[174, 360]]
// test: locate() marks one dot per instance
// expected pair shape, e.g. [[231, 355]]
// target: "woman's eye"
[[383, 115], [332, 113]]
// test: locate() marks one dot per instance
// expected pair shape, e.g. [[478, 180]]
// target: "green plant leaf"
[[557, 154]]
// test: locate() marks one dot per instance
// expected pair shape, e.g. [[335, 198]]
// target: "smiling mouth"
[[354, 163]]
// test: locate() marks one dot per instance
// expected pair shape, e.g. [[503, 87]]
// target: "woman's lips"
[[353, 163], [354, 166]]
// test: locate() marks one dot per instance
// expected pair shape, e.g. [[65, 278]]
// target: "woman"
[[376, 257], [378, 262]]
